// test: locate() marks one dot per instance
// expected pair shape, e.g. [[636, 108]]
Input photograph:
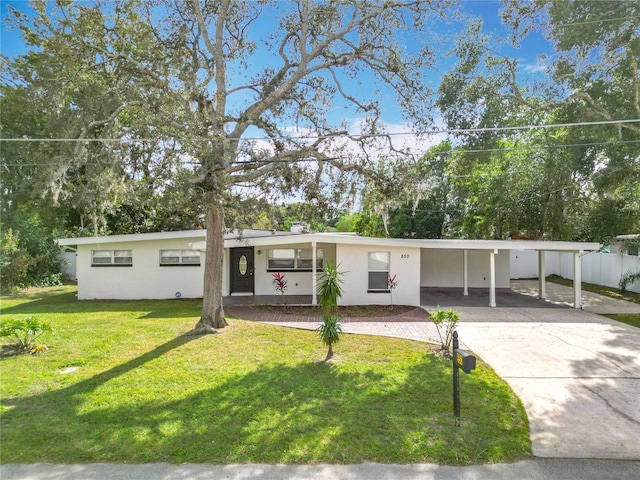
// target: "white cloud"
[[540, 66], [400, 137]]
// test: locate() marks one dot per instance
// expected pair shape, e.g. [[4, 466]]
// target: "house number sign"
[[404, 255]]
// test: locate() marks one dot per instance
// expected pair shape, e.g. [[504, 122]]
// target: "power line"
[[344, 135], [601, 20], [382, 157]]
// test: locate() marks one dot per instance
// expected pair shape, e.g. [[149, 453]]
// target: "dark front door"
[[241, 270]]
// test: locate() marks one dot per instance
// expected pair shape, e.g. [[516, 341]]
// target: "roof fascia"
[[133, 237]]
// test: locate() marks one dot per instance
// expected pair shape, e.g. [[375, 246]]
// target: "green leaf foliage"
[[445, 322], [24, 331], [329, 291]]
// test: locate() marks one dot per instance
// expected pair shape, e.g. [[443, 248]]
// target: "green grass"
[[632, 319], [143, 392], [601, 289]]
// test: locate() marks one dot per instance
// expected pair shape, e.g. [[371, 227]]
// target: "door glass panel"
[[242, 265]]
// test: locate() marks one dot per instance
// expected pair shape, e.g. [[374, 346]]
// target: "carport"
[[465, 266]]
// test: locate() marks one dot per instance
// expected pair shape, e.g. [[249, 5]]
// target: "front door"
[[241, 263]]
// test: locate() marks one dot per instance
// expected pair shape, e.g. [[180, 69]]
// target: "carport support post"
[[577, 281], [314, 280], [465, 273], [492, 278], [542, 286]]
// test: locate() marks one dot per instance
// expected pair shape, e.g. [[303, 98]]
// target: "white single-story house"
[[169, 264]]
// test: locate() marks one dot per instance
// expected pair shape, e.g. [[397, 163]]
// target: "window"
[[112, 258], [294, 259], [633, 249], [169, 258], [379, 271]]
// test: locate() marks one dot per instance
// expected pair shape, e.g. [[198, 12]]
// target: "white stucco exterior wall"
[[298, 283], [404, 261], [418, 263], [146, 279], [444, 268]]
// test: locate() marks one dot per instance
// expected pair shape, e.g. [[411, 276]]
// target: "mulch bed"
[[358, 313]]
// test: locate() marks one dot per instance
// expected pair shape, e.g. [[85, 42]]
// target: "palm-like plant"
[[329, 331], [329, 291]]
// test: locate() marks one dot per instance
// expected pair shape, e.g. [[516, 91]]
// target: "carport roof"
[[450, 244]]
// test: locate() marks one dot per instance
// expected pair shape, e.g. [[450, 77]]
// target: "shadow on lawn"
[[57, 301], [277, 413]]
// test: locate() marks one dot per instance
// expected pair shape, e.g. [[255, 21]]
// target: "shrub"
[[445, 322], [279, 283], [29, 255], [14, 263], [393, 283], [629, 279], [24, 331]]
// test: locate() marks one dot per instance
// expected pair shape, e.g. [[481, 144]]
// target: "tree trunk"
[[329, 353], [212, 310]]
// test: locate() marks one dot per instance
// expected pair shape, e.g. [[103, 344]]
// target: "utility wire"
[[380, 157], [346, 135]]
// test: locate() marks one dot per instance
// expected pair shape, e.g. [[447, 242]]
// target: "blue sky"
[[12, 44]]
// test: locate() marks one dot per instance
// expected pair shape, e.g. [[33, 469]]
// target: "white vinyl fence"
[[598, 268], [69, 267]]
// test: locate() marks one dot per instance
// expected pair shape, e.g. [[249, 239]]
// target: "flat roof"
[[195, 234], [268, 237], [455, 244]]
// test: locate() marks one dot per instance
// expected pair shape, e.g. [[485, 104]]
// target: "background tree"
[[408, 199], [549, 182], [203, 77], [595, 78]]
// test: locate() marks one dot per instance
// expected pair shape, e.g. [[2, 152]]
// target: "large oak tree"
[[200, 80]]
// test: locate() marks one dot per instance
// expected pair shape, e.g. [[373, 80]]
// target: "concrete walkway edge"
[[540, 469]]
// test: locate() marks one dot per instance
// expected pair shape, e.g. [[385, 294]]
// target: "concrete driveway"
[[577, 373]]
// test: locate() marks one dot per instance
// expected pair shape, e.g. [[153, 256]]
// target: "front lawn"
[[122, 384]]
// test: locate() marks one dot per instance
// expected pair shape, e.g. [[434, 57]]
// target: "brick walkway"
[[412, 325]]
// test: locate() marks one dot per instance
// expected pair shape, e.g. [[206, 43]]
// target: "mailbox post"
[[461, 360]]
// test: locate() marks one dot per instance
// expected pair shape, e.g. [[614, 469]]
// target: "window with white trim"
[[113, 258], [292, 259], [170, 258], [378, 266]]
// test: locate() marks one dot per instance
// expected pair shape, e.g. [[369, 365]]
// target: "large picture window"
[[169, 258], [113, 258], [379, 271], [294, 259]]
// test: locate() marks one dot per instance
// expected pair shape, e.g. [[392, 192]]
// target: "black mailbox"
[[464, 360]]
